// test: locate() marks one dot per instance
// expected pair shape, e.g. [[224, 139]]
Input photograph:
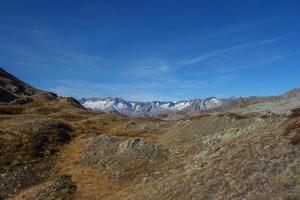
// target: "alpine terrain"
[[134, 108], [52, 147]]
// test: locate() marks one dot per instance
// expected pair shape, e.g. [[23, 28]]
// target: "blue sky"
[[153, 50]]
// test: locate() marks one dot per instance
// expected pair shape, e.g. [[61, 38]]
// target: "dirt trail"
[[91, 184], [246, 150]]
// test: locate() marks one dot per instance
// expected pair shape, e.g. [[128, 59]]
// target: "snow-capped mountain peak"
[[119, 105]]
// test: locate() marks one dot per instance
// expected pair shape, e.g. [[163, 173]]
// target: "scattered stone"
[[21, 101], [117, 157], [295, 140], [136, 145], [23, 176], [61, 188]]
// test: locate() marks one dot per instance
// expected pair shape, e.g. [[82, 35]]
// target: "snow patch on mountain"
[[119, 105]]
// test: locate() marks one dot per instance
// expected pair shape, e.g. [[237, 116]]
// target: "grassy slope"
[[216, 157], [211, 156]]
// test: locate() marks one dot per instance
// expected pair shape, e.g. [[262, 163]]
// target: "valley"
[[52, 147]]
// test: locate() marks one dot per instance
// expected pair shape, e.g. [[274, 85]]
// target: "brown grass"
[[295, 140], [90, 182], [231, 169], [294, 126], [295, 113], [11, 109], [197, 117], [235, 116]]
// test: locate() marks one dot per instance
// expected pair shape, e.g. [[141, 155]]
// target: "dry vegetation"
[[51, 148], [212, 156]]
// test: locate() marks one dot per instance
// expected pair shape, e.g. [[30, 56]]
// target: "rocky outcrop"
[[12, 88], [14, 180], [6, 96], [292, 93], [117, 157], [61, 188]]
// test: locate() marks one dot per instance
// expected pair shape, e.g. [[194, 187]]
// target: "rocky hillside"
[[15, 91], [52, 148], [11, 88]]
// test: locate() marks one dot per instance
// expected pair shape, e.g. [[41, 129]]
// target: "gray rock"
[[136, 145], [61, 188]]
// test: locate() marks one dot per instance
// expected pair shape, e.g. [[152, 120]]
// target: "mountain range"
[[154, 108]]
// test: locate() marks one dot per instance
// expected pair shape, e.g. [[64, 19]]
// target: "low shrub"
[[295, 140], [295, 126], [295, 113], [235, 116]]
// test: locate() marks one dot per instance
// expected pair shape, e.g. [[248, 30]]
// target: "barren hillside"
[[52, 148]]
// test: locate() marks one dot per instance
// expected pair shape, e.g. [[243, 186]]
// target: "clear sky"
[[153, 50]]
